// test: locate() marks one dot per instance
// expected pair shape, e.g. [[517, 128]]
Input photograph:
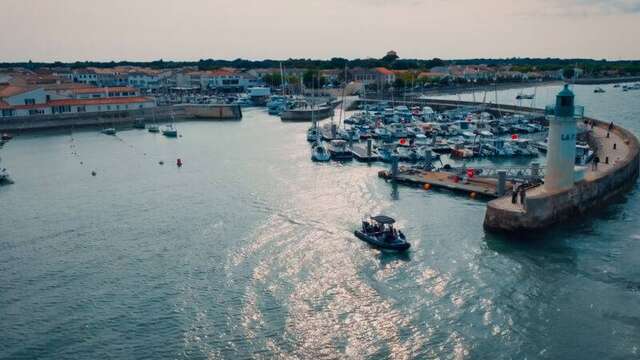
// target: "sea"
[[247, 252]]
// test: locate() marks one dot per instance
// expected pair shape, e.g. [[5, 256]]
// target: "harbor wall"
[[550, 208], [107, 118]]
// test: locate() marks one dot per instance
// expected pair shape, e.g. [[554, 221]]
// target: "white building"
[[31, 101]]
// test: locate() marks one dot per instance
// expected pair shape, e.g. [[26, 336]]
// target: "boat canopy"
[[383, 219]]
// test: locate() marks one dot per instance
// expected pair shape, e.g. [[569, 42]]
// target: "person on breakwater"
[[596, 160], [523, 194], [514, 193]]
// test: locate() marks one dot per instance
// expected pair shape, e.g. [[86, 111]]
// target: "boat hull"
[[393, 246]]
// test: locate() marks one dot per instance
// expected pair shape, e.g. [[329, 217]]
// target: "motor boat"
[[4, 177], [313, 134], [598, 90], [153, 128], [170, 131], [379, 232], [319, 152], [109, 131], [6, 137]]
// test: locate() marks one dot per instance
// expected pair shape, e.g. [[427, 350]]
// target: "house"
[[379, 75]]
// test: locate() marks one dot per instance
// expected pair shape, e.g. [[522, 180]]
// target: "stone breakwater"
[[617, 173]]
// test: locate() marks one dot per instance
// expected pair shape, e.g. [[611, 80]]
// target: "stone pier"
[[594, 187]]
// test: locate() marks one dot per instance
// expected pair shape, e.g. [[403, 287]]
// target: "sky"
[[141, 30]]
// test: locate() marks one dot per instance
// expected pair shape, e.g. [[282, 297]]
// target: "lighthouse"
[[561, 151]]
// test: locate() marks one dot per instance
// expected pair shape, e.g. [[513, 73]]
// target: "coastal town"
[[63, 90]]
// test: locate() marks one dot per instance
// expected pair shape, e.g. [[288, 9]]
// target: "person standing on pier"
[[523, 194], [596, 160], [514, 193]]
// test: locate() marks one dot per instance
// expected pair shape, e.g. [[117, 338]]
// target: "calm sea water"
[[247, 252]]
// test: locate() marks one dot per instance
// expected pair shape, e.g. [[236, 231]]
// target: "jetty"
[[569, 191], [550, 195]]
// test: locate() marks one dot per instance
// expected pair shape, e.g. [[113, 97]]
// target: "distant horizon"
[[146, 30], [147, 61]]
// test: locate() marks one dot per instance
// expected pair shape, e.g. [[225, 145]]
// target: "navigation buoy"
[[161, 162], [427, 186], [514, 136], [93, 173], [473, 195], [403, 141], [179, 163]]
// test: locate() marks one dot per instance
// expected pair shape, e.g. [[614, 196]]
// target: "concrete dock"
[[478, 186]]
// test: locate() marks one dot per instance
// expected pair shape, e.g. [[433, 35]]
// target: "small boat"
[[319, 152], [380, 233], [139, 124], [170, 131], [339, 150], [6, 137], [153, 128], [598, 90], [523, 96], [109, 131], [313, 134]]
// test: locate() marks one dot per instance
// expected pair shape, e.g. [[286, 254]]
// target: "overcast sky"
[[69, 30]]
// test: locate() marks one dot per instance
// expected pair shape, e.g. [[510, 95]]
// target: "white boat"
[[170, 131], [153, 128], [319, 152], [109, 131]]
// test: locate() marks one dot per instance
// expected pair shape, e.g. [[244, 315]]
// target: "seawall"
[[543, 209], [107, 118]]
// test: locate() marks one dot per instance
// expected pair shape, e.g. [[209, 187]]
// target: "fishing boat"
[[339, 150], [109, 131], [319, 152], [170, 131], [379, 232]]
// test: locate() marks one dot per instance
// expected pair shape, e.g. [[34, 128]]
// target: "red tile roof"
[[11, 90], [383, 71]]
